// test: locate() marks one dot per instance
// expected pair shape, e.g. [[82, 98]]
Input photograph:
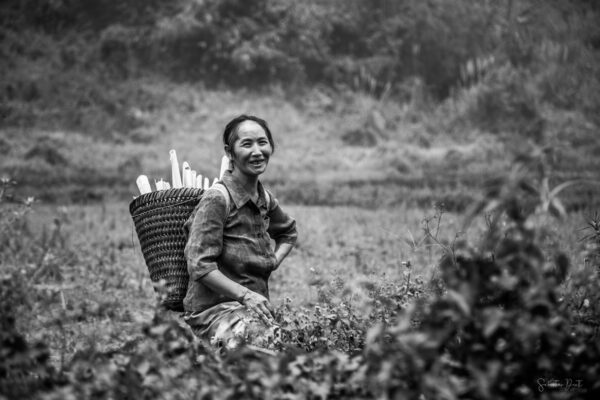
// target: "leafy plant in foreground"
[[24, 367], [499, 330]]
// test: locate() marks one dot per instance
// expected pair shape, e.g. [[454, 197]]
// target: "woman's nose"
[[255, 149]]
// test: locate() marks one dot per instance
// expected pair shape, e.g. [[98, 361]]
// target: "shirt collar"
[[239, 195]]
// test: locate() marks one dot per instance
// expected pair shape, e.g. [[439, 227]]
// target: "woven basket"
[[159, 218]]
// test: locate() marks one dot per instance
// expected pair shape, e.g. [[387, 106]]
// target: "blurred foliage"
[[360, 44]]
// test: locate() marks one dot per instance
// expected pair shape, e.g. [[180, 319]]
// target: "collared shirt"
[[238, 244]]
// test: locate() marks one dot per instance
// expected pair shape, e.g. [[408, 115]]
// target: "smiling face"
[[251, 150]]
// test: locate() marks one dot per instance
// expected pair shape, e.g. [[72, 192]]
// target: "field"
[[89, 297], [356, 299], [360, 295], [441, 161]]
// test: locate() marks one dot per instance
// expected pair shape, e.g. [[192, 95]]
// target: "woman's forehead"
[[250, 128]]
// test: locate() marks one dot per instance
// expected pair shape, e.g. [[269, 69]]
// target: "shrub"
[[505, 102], [24, 366], [499, 330]]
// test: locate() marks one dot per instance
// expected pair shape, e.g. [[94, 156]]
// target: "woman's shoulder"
[[270, 199], [217, 195], [211, 204]]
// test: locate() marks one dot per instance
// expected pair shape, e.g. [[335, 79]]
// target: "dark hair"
[[229, 134]]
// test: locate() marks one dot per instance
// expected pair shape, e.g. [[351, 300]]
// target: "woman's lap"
[[230, 324]]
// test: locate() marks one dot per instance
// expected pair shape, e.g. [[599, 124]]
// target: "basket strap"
[[267, 199], [221, 188]]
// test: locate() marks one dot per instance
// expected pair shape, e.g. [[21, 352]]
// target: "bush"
[[24, 366], [499, 330], [505, 102]]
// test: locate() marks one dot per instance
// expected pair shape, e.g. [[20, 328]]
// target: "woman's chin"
[[254, 171], [257, 170]]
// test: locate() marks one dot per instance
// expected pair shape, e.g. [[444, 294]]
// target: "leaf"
[[506, 281], [562, 266], [144, 367], [557, 209], [493, 321], [159, 330], [529, 188], [53, 287], [460, 301], [559, 188], [373, 333], [410, 240]]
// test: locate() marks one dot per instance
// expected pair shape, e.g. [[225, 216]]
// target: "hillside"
[[95, 95]]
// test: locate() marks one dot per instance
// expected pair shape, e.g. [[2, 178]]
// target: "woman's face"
[[251, 149]]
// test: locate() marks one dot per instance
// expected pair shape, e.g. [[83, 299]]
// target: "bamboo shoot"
[[186, 173], [176, 177], [161, 184], [193, 178], [143, 184], [224, 166]]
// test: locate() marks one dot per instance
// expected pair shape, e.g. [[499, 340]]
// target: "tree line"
[[360, 44]]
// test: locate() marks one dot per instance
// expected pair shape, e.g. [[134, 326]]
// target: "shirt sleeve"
[[282, 227], [205, 235]]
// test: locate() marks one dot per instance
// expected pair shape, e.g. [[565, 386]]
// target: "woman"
[[229, 252]]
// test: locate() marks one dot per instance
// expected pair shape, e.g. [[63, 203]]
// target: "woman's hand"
[[218, 282], [259, 304]]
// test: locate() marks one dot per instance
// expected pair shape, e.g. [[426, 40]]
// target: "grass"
[[101, 298], [360, 209], [310, 149], [420, 154], [358, 244]]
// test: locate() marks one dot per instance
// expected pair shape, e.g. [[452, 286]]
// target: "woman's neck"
[[249, 182]]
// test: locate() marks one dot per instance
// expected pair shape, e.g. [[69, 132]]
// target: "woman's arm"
[[282, 249], [218, 282], [205, 235], [282, 229]]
